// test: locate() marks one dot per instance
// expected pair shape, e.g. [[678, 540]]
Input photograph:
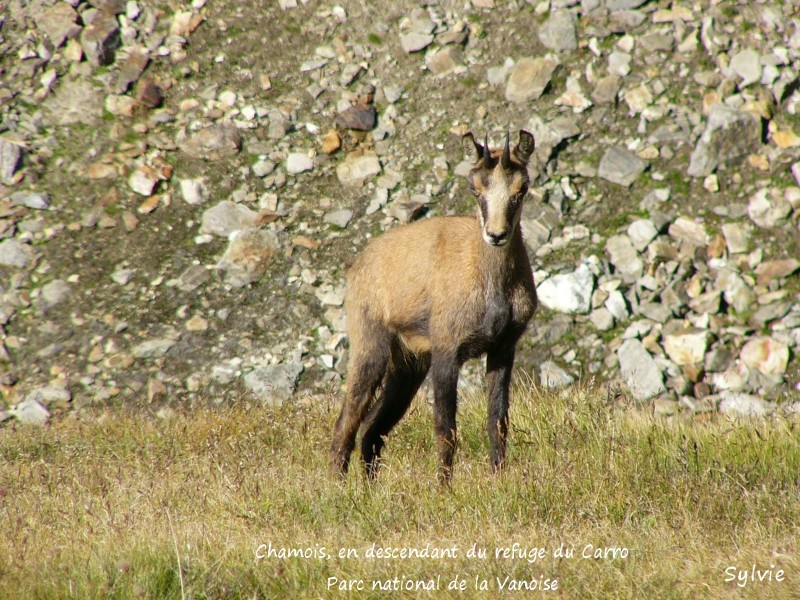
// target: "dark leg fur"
[[402, 382], [444, 371], [365, 375], [498, 374]]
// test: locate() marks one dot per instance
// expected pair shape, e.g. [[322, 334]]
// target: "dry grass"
[[126, 506]]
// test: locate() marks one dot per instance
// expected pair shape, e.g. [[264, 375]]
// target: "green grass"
[[126, 506]]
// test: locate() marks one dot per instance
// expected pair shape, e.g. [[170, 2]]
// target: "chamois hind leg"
[[444, 372], [405, 375], [498, 374], [369, 358]]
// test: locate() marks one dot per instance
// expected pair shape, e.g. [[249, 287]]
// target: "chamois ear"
[[525, 146], [472, 149]]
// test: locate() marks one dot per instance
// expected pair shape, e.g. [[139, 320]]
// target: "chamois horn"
[[487, 157], [506, 159]]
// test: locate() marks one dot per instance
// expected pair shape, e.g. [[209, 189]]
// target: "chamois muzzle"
[[496, 239]]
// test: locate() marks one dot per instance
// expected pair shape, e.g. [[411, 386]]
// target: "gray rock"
[[123, 276], [656, 42], [446, 61], [568, 292], [737, 238], [49, 394], [249, 253], [216, 142], [767, 355], [100, 39], [358, 167], [616, 5], [602, 319], [770, 312], [768, 208], [686, 347], [297, 162], [553, 377], [131, 71], [31, 412], [706, 303], [558, 32], [747, 405], [414, 41], [641, 232], [32, 200], [192, 278], [626, 20], [624, 257], [274, 384], [718, 359], [58, 23], [55, 292], [686, 230], [606, 89], [655, 311], [10, 157], [143, 180], [192, 191], [75, 100], [639, 370], [550, 134], [393, 93], [729, 136], [619, 63], [735, 290], [263, 168], [279, 125], [155, 348], [620, 166], [528, 78], [538, 222], [227, 217], [616, 305], [331, 296], [339, 218], [747, 65], [15, 254]]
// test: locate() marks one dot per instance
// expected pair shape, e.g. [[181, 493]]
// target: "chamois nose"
[[497, 239]]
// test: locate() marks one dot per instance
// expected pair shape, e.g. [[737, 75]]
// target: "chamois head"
[[499, 181]]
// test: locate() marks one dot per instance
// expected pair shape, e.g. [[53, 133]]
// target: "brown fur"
[[432, 295]]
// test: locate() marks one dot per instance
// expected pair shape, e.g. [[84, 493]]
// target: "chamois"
[[431, 295]]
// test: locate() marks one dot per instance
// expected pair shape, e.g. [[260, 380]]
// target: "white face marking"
[[496, 200]]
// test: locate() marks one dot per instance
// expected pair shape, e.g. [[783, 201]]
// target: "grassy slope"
[[109, 507]]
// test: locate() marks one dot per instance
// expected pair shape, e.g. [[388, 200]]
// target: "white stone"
[[639, 370], [31, 411], [767, 355], [641, 232], [143, 181], [686, 347], [298, 162], [624, 257], [553, 377], [357, 168], [568, 292], [191, 191], [748, 405], [746, 64]]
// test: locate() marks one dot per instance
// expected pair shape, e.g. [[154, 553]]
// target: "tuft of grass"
[[123, 505]]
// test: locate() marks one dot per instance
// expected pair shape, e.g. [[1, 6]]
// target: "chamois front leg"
[[444, 372], [499, 363]]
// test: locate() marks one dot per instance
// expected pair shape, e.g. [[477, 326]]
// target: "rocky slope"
[[182, 185]]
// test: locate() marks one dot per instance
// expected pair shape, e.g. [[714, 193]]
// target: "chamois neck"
[[496, 262]]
